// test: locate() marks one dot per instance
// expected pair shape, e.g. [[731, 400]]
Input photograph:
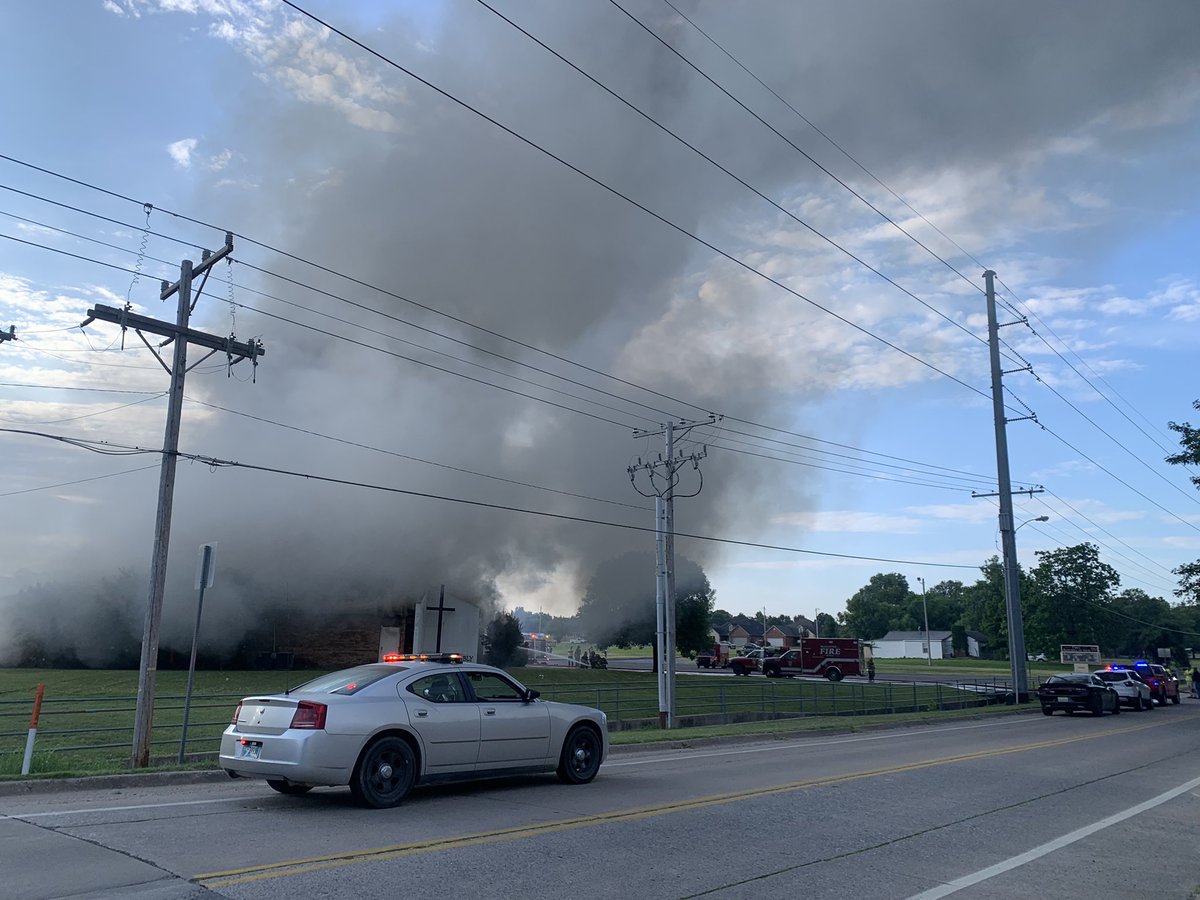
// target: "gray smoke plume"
[[377, 176]]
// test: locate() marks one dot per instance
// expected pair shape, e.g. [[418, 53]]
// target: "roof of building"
[[914, 636]]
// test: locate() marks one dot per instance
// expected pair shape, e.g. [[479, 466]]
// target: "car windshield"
[[347, 681]]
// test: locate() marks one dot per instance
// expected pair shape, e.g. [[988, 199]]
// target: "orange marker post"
[[33, 724]]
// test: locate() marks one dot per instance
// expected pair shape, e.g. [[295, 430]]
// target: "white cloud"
[[849, 521], [181, 152]]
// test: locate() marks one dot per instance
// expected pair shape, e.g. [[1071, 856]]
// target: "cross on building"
[[440, 609]]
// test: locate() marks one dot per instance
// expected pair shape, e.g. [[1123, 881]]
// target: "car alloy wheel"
[[385, 773], [580, 758]]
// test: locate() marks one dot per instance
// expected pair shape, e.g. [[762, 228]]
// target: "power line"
[[406, 456], [787, 212], [657, 216], [397, 319], [216, 463], [61, 484], [788, 141]]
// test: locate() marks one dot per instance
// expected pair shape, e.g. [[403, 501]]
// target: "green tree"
[[1139, 630], [1072, 592], [984, 609], [827, 625], [501, 641], [618, 607], [877, 607], [1189, 440]]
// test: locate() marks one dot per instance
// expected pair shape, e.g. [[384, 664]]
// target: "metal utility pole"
[[925, 607], [181, 335], [1011, 572], [663, 490]]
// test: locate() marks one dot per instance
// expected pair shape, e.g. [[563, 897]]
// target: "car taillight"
[[237, 712], [309, 715]]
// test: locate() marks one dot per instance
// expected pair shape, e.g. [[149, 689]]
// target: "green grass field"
[[86, 722]]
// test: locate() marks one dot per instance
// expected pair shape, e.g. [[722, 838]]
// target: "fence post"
[[617, 704], [914, 708], [724, 708], [33, 724]]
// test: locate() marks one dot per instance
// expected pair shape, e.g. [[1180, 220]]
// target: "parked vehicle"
[[746, 662], [1134, 692], [834, 658], [716, 658], [384, 727], [1164, 686], [1078, 691]]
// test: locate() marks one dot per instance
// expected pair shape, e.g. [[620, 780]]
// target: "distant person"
[[1195, 683], [871, 669]]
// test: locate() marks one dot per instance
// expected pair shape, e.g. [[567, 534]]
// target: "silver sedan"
[[384, 727]]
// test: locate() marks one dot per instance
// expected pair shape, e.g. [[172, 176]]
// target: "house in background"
[[911, 645]]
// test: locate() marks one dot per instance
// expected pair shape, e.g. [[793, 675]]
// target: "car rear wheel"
[[833, 673], [286, 787], [580, 758], [385, 773]]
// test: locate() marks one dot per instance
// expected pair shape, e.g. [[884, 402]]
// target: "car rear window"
[[1113, 676], [347, 681]]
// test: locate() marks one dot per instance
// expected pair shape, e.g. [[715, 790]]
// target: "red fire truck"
[[834, 658]]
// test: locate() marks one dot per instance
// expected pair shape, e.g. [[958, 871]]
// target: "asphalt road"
[[1016, 806]]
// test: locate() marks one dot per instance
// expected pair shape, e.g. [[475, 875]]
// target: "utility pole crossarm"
[[209, 260], [249, 349]]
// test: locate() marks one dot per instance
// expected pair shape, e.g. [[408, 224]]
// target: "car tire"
[[1148, 704], [580, 758], [1047, 711], [385, 773], [1098, 705], [833, 673], [1175, 699], [1117, 707], [286, 787]]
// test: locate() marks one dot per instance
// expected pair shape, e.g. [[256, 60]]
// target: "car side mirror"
[[531, 694]]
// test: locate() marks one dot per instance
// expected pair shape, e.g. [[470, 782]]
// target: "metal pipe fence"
[[90, 731]]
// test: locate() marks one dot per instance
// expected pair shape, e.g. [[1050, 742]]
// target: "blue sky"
[[1060, 155]]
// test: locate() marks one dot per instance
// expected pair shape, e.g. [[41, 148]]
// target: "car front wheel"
[[833, 673], [580, 758], [385, 773], [1097, 706], [1047, 711]]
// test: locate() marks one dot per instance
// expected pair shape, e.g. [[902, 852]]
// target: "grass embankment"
[[86, 723]]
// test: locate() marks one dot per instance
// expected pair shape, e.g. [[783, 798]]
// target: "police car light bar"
[[423, 657]]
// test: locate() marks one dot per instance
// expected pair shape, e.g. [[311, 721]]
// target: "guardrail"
[[89, 732]]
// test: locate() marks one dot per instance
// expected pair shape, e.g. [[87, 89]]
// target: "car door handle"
[[489, 712], [422, 713]]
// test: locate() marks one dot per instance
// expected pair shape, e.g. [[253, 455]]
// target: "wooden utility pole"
[[181, 336]]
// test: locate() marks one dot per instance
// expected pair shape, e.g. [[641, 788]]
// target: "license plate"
[[1064, 699], [249, 750]]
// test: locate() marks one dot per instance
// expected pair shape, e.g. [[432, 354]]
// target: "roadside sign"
[[1079, 653], [206, 566]]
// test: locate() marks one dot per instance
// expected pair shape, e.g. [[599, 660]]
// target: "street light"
[[925, 606], [1027, 521], [817, 624]]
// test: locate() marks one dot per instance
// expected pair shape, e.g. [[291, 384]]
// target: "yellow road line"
[[353, 857]]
